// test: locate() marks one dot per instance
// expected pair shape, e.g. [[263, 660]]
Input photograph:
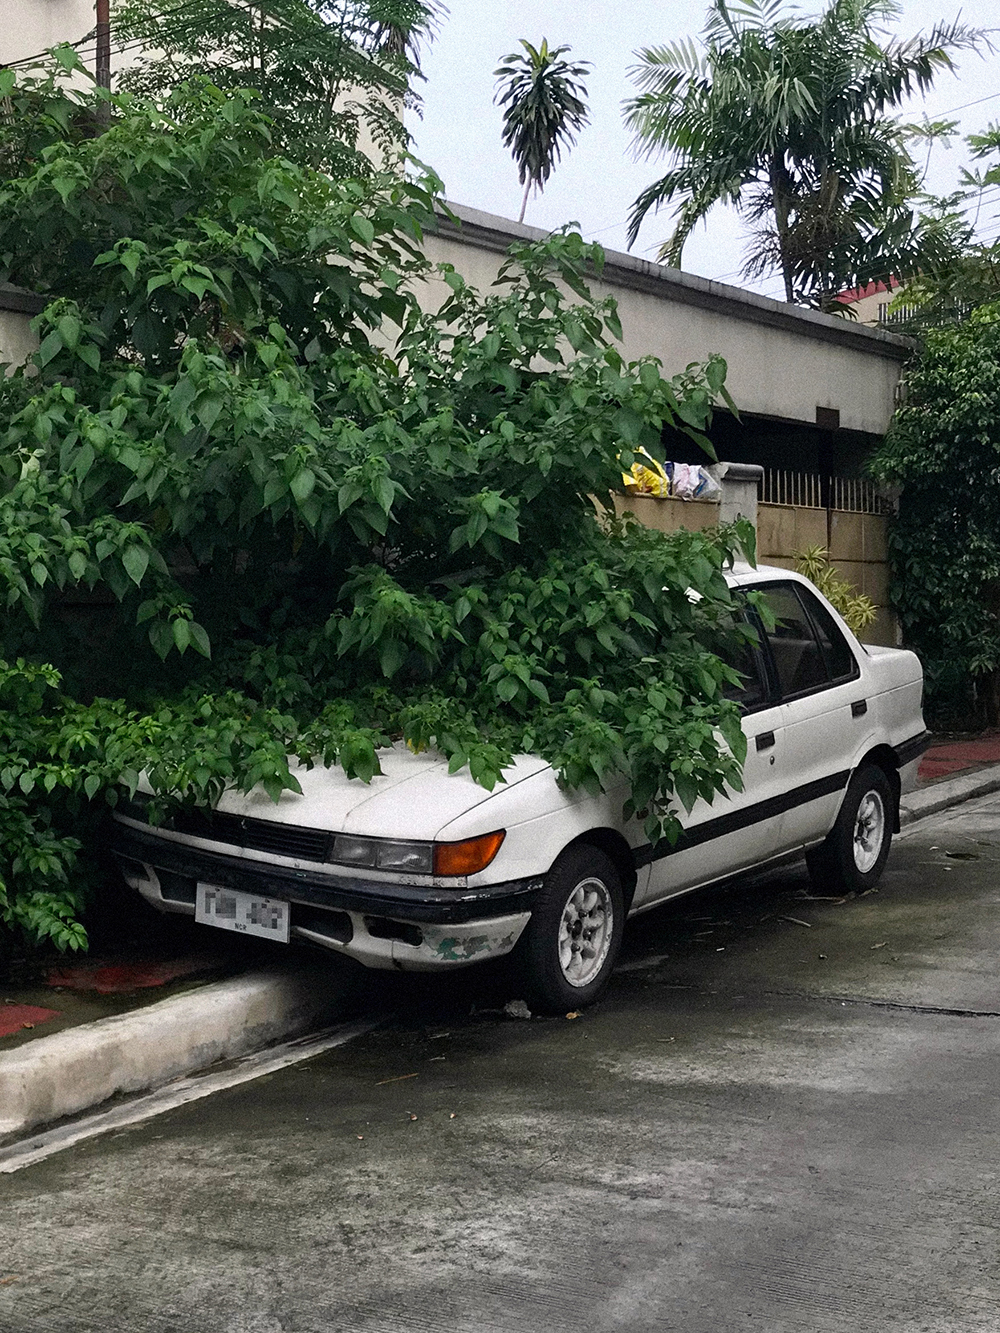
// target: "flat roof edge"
[[21, 300], [489, 232]]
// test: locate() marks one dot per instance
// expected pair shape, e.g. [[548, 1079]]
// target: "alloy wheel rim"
[[869, 831], [585, 931]]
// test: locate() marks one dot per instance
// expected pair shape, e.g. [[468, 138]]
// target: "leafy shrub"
[[257, 501], [858, 610], [943, 452]]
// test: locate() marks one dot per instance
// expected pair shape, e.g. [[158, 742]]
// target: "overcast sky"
[[459, 134]]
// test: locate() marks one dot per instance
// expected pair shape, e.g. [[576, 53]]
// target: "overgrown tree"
[[255, 502], [943, 453], [789, 120], [326, 71], [544, 107]]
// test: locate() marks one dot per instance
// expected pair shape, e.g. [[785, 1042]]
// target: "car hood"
[[414, 796]]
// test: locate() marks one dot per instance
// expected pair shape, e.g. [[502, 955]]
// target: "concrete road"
[[785, 1117]]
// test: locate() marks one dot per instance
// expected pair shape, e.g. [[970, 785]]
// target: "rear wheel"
[[854, 854], [569, 948]]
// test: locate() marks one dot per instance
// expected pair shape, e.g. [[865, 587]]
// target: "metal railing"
[[803, 490], [900, 316], [809, 490]]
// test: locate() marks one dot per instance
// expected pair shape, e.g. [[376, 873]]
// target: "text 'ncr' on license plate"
[[243, 912]]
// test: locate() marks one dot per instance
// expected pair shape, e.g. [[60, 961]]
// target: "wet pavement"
[[784, 1117]]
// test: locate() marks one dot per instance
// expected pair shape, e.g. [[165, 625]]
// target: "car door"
[[739, 829], [819, 676]]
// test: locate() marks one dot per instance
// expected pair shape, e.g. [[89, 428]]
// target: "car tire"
[[566, 955], [854, 854]]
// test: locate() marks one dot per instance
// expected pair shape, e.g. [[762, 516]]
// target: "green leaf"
[[136, 561], [363, 228], [69, 329], [199, 639], [303, 484], [50, 346], [181, 631]]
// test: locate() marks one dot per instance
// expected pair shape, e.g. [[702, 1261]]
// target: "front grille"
[[259, 835]]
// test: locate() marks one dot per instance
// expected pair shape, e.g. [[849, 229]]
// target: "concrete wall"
[[856, 542], [17, 309], [784, 362], [43, 23]]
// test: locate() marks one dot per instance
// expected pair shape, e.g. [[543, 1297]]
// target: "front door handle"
[[765, 740]]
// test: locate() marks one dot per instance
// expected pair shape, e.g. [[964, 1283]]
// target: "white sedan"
[[423, 870]]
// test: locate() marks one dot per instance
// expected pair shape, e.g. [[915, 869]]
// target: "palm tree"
[[542, 97], [787, 119]]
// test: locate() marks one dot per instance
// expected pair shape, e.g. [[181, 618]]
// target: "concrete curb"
[[948, 792], [71, 1071]]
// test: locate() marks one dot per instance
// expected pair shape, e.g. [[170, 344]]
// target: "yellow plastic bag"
[[647, 478]]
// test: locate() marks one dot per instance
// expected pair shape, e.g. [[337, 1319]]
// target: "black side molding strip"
[[912, 749], [740, 819]]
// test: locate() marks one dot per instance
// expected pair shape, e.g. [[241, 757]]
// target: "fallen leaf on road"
[[881, 944], [27, 1025], [822, 955], [575, 1013], [6, 1281], [451, 1116], [412, 1117], [398, 1079], [795, 920]]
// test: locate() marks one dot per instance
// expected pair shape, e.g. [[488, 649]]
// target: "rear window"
[[808, 647]]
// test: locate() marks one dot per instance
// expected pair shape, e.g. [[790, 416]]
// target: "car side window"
[[840, 661], [808, 649], [746, 660], [797, 655]]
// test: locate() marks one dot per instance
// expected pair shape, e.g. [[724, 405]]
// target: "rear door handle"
[[859, 708], [765, 740]]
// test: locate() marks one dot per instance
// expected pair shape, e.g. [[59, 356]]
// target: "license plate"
[[244, 912]]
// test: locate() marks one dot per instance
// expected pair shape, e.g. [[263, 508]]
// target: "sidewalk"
[[949, 757]]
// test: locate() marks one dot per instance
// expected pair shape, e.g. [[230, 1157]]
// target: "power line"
[[965, 105]]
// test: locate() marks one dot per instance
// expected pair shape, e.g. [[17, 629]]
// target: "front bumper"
[[402, 926]]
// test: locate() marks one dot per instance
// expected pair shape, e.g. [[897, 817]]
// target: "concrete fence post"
[[740, 486]]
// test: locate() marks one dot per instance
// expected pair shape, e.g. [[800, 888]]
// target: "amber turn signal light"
[[469, 857]]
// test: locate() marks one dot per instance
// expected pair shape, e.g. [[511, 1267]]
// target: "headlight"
[[354, 851], [418, 858], [383, 854]]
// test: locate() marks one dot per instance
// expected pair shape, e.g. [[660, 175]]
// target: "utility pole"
[[102, 63]]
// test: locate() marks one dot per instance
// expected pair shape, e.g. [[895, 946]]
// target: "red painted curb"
[[16, 1017]]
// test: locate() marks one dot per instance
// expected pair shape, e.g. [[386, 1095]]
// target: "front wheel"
[[853, 856], [569, 948]]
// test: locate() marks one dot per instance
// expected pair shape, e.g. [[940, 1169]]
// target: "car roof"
[[742, 573]]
